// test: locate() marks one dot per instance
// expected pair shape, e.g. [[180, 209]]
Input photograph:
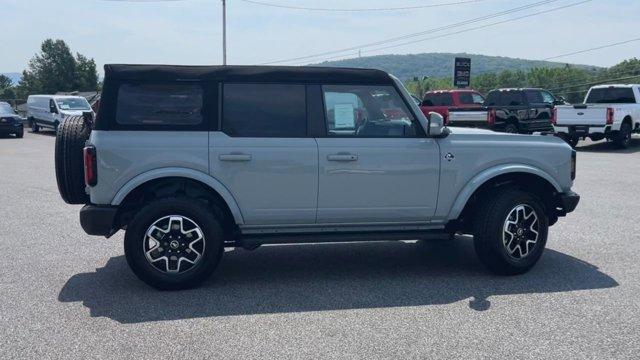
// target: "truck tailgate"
[[581, 115], [468, 117]]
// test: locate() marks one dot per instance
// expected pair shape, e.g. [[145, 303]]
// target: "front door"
[[376, 164], [263, 154]]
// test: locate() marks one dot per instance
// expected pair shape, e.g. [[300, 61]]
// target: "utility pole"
[[224, 32]]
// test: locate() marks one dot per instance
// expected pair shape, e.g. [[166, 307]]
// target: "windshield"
[[5, 109], [73, 104], [610, 96]]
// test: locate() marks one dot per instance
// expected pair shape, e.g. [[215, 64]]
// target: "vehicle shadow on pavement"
[[608, 147], [300, 278]]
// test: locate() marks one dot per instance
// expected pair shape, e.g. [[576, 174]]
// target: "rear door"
[[263, 155], [374, 168]]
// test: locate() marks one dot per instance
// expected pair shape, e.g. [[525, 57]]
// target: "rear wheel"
[[510, 231], [70, 142], [174, 243], [511, 128], [623, 138], [34, 127]]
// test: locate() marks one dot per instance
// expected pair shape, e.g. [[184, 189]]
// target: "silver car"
[[190, 160]]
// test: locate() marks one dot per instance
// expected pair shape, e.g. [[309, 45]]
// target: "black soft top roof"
[[297, 74]]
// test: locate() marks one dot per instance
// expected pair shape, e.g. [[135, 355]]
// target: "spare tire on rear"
[[71, 136]]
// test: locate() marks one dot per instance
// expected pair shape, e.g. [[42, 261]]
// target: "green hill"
[[440, 65]]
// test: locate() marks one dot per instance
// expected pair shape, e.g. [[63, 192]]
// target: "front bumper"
[[567, 202], [7, 127], [98, 220]]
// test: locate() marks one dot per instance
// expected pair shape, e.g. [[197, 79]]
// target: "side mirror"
[[436, 124], [52, 109]]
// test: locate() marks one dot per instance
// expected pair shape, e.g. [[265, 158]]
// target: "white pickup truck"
[[608, 111]]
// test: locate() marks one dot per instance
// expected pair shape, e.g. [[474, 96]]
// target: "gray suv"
[[192, 159]]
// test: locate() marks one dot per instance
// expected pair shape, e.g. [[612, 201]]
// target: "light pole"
[[224, 32]]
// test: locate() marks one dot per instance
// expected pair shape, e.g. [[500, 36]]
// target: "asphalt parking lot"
[[64, 294]]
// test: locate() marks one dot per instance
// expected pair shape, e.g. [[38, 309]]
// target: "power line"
[[415, 7], [597, 82], [603, 82], [406, 36], [595, 48], [471, 29]]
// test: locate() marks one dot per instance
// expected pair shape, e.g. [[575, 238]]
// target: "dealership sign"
[[462, 72]]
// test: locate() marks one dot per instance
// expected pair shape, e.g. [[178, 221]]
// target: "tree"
[[87, 75], [5, 82], [55, 69]]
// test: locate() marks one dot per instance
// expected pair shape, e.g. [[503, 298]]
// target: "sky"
[[189, 32]]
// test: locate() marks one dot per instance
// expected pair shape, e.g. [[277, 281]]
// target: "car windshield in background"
[[73, 104], [611, 96], [5, 109]]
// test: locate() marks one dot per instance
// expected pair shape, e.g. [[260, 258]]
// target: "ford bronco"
[[189, 160]]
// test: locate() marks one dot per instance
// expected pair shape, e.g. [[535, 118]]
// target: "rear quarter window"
[[505, 98], [468, 98], [438, 99], [160, 104]]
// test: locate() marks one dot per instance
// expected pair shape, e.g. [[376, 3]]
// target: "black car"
[[521, 110], [10, 122]]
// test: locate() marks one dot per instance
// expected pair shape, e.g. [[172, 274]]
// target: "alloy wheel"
[[521, 231], [173, 244]]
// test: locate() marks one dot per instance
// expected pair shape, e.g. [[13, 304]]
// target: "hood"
[[8, 115], [490, 135]]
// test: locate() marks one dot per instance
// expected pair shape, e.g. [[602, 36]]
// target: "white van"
[[47, 111]]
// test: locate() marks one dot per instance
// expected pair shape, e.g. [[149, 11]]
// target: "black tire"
[[492, 214], [70, 142], [622, 139], [196, 211], [511, 128], [572, 141], [34, 127], [20, 134]]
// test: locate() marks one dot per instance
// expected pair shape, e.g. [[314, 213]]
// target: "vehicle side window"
[[264, 110], [509, 98], [159, 104], [367, 111], [534, 96], [468, 98], [547, 98]]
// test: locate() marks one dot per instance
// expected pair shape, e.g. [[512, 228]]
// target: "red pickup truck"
[[441, 101]]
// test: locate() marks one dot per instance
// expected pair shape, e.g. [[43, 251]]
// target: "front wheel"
[[174, 243], [510, 231], [20, 133]]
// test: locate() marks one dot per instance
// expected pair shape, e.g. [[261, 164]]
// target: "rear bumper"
[[582, 130], [98, 220], [567, 202], [534, 126]]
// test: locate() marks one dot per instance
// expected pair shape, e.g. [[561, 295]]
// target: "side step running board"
[[251, 242]]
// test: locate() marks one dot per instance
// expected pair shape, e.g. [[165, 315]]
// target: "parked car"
[[511, 110], [48, 111], [608, 111], [10, 121], [189, 160], [445, 101]]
